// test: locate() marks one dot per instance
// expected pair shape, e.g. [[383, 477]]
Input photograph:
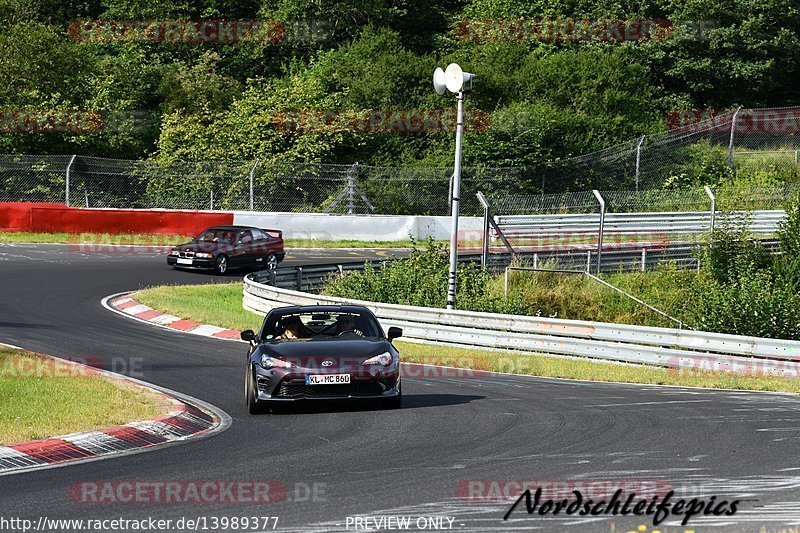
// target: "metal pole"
[[351, 188], [451, 281], [730, 142], [638, 159], [710, 194], [486, 215], [644, 258], [252, 174], [212, 199], [505, 283], [69, 171], [601, 227]]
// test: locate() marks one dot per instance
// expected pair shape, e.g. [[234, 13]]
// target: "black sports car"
[[224, 247], [321, 353]]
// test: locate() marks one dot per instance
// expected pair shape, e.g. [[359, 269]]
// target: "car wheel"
[[272, 262], [221, 266], [397, 401], [254, 407]]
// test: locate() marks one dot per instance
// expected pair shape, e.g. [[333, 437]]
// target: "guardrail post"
[[252, 174], [535, 260], [600, 229], [730, 142], [588, 261], [644, 258], [713, 198], [69, 171], [273, 280], [299, 278], [505, 283], [341, 270]]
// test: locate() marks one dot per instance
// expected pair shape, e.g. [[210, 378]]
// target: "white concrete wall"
[[360, 227]]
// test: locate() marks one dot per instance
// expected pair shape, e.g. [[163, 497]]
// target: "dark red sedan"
[[224, 247]]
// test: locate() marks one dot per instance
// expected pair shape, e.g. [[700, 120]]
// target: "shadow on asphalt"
[[410, 401]]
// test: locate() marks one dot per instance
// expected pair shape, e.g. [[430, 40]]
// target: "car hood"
[[312, 353], [207, 247]]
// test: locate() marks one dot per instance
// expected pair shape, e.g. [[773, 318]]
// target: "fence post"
[[588, 261], [730, 142], [638, 159], [535, 260], [601, 227], [710, 194], [212, 199], [252, 175], [486, 215], [351, 188], [505, 283], [644, 258], [299, 278], [69, 171]]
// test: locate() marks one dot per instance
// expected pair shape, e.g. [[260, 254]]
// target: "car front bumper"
[[198, 264], [277, 385]]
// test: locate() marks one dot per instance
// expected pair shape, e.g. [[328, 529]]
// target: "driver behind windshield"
[[292, 328], [347, 324]]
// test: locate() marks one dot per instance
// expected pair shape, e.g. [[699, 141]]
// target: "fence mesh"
[[660, 172]]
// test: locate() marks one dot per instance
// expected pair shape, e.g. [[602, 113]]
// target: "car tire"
[[221, 264], [272, 262], [254, 407], [396, 402]]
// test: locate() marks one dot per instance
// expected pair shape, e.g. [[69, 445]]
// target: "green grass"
[[218, 304], [222, 305], [169, 240], [41, 398], [92, 238], [577, 297]]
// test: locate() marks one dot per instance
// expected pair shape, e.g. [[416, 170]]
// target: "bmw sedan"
[[319, 353], [225, 247]]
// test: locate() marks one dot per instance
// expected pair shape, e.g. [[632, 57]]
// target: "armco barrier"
[[599, 340], [38, 217], [667, 224]]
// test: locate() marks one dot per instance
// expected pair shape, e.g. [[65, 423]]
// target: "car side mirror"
[[248, 335], [394, 332]]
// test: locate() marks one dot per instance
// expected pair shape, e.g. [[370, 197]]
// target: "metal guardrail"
[[668, 224], [617, 342]]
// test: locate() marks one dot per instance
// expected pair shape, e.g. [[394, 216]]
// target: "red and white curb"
[[125, 304], [189, 418]]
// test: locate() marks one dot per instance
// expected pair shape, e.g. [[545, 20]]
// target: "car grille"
[[186, 254], [297, 388]]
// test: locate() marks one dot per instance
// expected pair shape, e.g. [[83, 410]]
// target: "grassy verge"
[[42, 398], [92, 238], [194, 303]]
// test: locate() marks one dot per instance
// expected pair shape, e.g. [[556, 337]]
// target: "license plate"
[[328, 379], [182, 261]]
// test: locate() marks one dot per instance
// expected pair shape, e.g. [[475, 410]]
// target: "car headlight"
[[271, 362], [203, 255], [174, 251], [384, 359]]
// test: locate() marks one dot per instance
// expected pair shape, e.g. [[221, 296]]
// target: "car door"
[[243, 250], [261, 247]]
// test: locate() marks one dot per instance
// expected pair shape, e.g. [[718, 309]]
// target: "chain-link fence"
[[661, 172]]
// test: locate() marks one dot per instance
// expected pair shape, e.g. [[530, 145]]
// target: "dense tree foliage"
[[546, 98]]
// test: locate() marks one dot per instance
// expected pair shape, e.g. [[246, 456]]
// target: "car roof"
[[321, 309], [231, 228]]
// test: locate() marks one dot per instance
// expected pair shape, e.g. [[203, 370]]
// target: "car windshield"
[[328, 325], [217, 235]]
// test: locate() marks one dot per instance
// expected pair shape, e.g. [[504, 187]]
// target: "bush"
[[421, 280]]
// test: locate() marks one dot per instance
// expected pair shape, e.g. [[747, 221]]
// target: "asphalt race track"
[[337, 462]]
